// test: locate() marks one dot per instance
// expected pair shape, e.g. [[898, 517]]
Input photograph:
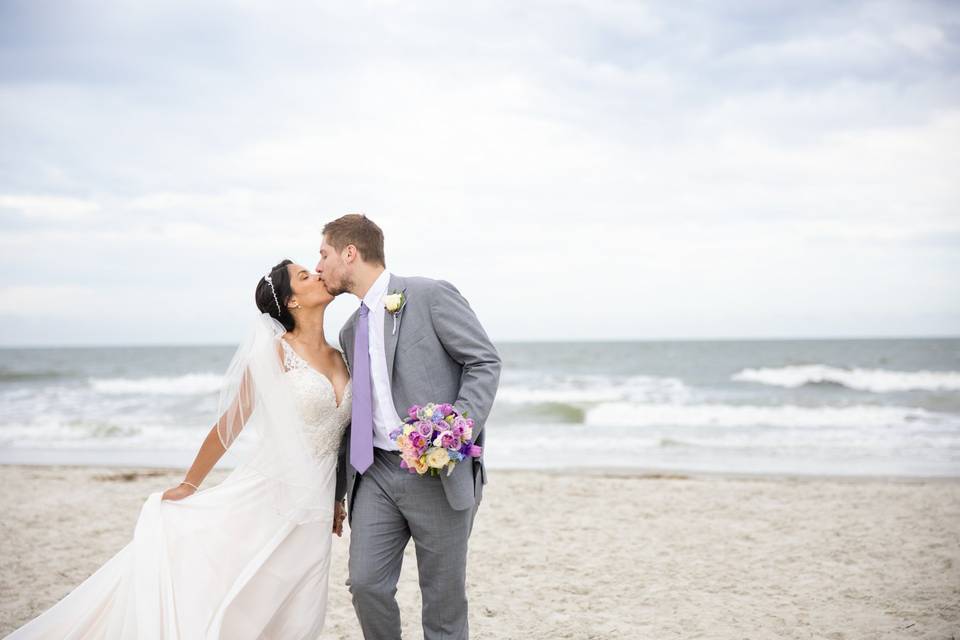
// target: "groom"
[[432, 349]]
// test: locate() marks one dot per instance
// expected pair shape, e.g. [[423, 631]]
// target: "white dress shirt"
[[385, 417]]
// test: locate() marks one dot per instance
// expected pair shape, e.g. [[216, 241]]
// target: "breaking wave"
[[874, 380]]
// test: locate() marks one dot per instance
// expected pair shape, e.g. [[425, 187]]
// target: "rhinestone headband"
[[269, 280]]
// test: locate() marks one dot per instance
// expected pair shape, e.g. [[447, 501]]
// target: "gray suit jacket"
[[440, 353]]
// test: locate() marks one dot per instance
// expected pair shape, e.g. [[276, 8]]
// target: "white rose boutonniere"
[[394, 302]]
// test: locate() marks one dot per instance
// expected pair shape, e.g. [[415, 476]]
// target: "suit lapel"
[[391, 337]]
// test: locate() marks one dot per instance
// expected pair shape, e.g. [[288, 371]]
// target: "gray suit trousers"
[[390, 506]]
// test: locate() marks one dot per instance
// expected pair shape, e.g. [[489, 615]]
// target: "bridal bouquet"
[[434, 436]]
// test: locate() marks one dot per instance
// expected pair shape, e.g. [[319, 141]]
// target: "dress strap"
[[291, 359]]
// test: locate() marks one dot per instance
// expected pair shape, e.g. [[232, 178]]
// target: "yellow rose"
[[407, 430], [393, 302], [421, 465], [402, 441], [438, 458]]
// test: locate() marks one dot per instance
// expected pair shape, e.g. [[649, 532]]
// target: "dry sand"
[[588, 555]]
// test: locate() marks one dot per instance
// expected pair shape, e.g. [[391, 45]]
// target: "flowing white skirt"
[[221, 563]]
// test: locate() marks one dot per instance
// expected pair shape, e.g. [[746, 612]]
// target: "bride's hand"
[[179, 492], [339, 513]]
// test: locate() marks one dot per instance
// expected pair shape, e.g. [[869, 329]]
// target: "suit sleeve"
[[341, 488], [464, 339]]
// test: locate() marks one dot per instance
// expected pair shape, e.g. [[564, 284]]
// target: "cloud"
[[684, 161], [33, 301], [47, 207]]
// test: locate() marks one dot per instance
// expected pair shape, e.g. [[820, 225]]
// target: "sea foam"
[[787, 416], [190, 384]]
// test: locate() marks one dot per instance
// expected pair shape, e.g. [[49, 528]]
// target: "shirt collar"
[[377, 290]]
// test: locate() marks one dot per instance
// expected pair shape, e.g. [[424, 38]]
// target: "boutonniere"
[[394, 302]]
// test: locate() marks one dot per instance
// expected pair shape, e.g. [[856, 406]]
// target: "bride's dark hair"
[[273, 299]]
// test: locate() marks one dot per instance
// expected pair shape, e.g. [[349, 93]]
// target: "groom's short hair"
[[360, 231]]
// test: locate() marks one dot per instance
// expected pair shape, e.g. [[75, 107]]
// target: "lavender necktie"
[[361, 419]]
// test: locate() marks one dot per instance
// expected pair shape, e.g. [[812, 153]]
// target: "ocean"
[[837, 407]]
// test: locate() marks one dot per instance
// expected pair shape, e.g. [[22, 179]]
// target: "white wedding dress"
[[222, 563]]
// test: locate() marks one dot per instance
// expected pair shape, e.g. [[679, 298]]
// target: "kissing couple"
[[319, 430]]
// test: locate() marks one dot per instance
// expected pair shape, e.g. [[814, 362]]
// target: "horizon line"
[[140, 345]]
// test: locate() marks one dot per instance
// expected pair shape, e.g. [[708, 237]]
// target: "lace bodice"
[[316, 401]]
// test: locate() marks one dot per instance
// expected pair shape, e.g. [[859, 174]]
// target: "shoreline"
[[652, 473]]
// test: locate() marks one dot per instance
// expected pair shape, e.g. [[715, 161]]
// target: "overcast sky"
[[580, 170]]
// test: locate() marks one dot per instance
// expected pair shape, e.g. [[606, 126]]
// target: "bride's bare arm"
[[213, 448], [210, 452]]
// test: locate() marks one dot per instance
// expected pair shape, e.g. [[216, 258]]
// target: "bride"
[[247, 558]]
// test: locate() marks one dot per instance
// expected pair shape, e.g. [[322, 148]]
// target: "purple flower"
[[425, 428], [474, 451], [446, 409], [448, 440], [412, 411]]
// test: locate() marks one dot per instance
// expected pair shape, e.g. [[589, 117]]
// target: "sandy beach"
[[588, 555]]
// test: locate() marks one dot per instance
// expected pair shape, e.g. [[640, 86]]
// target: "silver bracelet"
[[190, 484]]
